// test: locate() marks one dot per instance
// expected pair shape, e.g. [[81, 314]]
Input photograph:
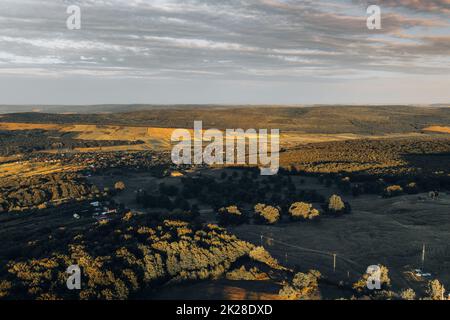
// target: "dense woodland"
[[26, 141], [125, 256], [384, 156], [41, 191]]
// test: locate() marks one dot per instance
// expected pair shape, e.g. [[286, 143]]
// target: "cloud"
[[201, 44], [433, 6], [245, 40], [9, 58], [65, 44]]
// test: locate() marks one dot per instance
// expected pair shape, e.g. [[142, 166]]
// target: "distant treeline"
[[320, 119], [382, 156]]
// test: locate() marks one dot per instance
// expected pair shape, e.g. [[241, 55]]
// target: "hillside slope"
[[322, 119]]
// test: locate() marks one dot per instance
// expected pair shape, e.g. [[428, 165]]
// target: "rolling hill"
[[318, 119]]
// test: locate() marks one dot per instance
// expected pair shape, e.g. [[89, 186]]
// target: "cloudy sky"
[[224, 51]]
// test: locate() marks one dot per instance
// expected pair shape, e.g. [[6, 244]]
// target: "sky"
[[224, 52]]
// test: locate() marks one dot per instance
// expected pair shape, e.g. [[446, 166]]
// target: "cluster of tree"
[[304, 286], [122, 257], [40, 191], [266, 214], [387, 185], [156, 163], [240, 188]]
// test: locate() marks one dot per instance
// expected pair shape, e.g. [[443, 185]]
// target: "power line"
[[325, 253]]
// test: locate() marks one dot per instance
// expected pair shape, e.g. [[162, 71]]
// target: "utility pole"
[[334, 262], [261, 240], [423, 255]]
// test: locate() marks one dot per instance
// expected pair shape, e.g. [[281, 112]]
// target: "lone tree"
[[436, 290], [303, 210], [119, 186], [335, 204], [266, 214], [408, 294]]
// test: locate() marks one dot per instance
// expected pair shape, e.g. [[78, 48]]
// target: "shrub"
[[266, 214], [302, 210], [392, 191], [336, 205], [411, 188], [119, 186], [408, 294], [5, 286], [127, 216]]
